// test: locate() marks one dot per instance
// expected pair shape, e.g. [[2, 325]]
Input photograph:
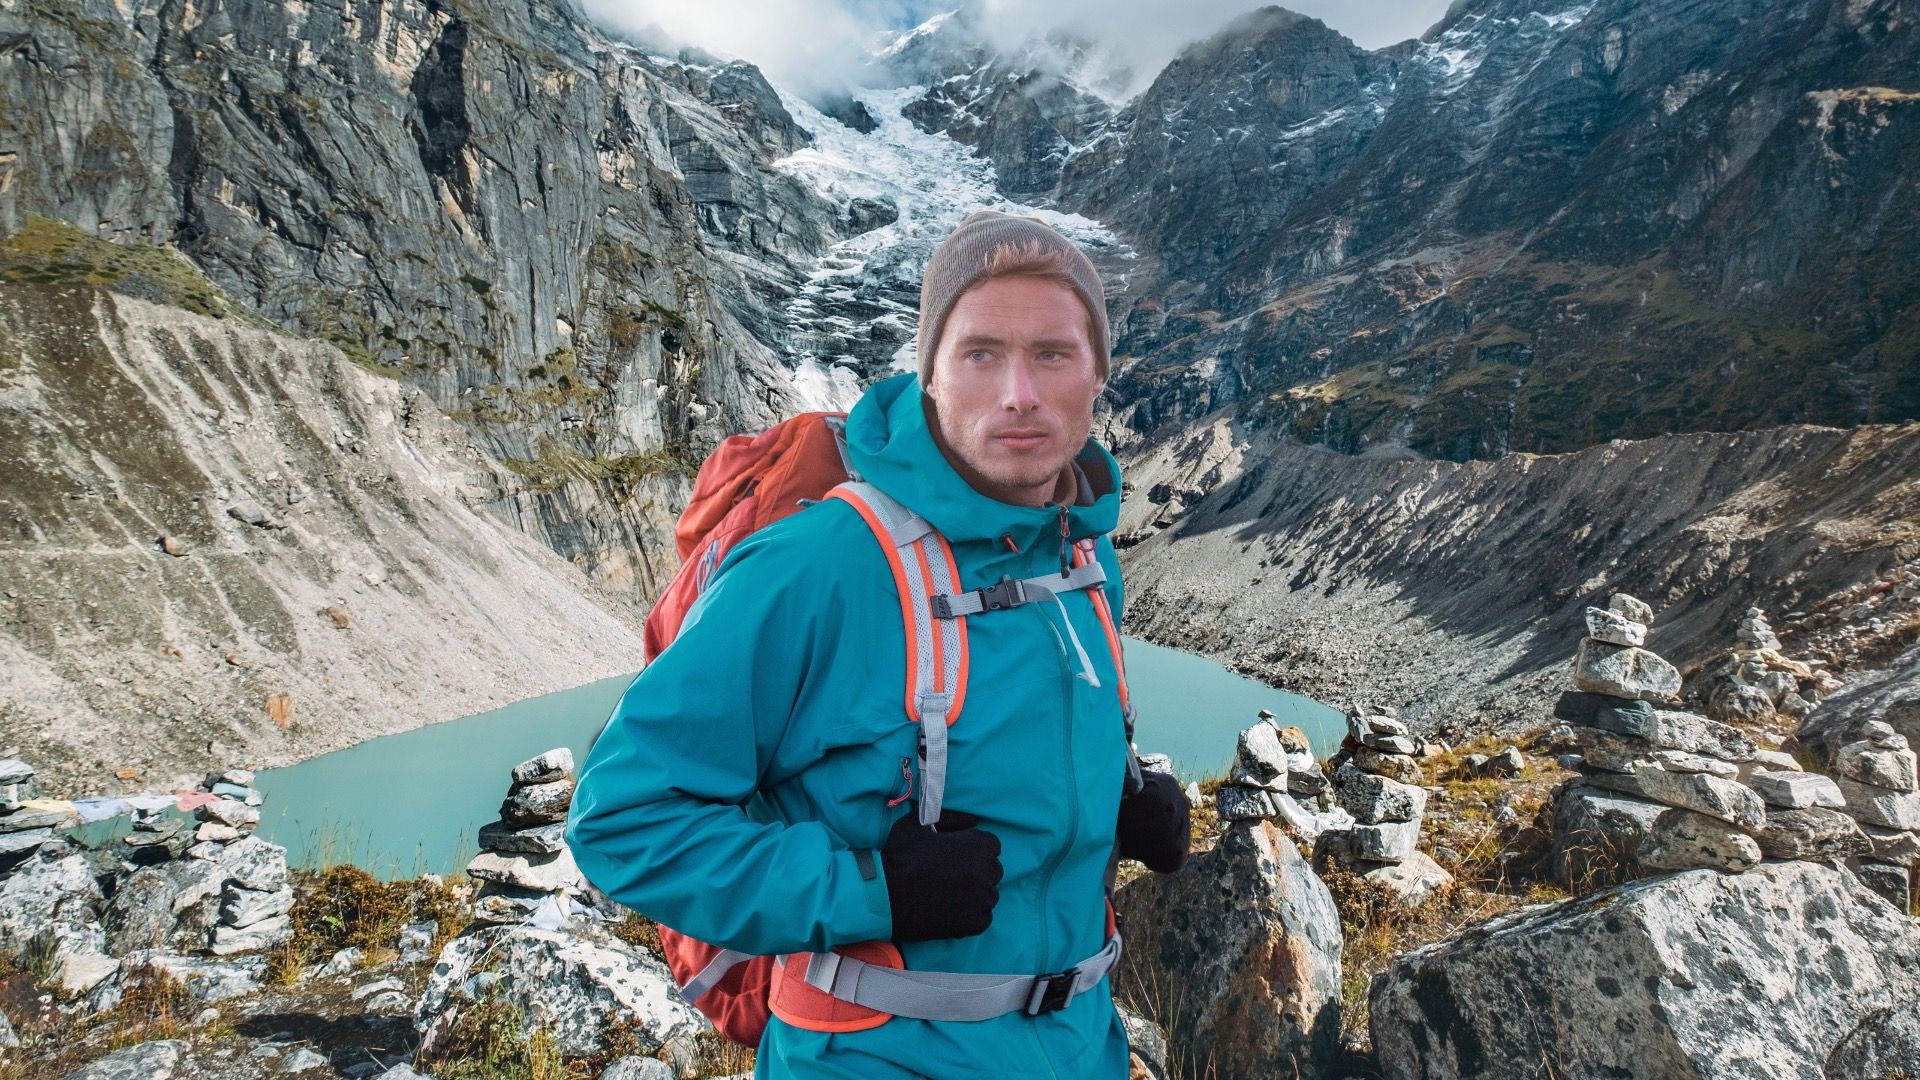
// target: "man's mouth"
[[1020, 440]]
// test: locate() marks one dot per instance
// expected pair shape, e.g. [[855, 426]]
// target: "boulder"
[[1790, 969], [1892, 882], [1506, 764], [253, 863], [1242, 804], [265, 934], [1614, 628], [1683, 762], [1685, 840], [52, 893], [1391, 744], [1371, 799], [1631, 607], [1892, 845], [545, 873], [1891, 696], [556, 764], [1885, 807], [1612, 752], [1411, 880], [1869, 764], [1261, 755], [1384, 842], [1811, 832], [245, 907], [1623, 671], [1741, 703], [635, 1067], [578, 985], [1792, 790], [1394, 766], [1243, 948], [141, 1061], [537, 840], [208, 980], [173, 907], [537, 804], [1728, 800], [1597, 834], [1582, 709], [1677, 730]]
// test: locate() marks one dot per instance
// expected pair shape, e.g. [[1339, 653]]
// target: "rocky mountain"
[[1541, 227]]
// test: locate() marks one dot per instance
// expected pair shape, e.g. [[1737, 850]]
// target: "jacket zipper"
[[1073, 802]]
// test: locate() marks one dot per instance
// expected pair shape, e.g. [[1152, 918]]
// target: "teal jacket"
[[744, 767]]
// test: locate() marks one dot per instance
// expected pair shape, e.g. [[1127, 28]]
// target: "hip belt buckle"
[[1051, 993]]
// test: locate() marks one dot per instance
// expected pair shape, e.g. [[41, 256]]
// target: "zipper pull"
[[1063, 541]]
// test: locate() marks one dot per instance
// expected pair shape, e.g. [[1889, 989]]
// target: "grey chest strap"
[[941, 995]]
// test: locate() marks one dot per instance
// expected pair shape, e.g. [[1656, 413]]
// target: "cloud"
[[809, 44]]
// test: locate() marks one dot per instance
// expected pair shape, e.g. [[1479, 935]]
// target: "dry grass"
[[347, 907]]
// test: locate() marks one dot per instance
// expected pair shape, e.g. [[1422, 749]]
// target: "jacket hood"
[[894, 449]]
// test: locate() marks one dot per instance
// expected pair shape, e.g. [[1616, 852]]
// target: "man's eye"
[[979, 356]]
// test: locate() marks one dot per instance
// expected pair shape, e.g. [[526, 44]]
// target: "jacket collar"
[[894, 449]]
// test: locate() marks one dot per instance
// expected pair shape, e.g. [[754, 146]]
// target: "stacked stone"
[[1878, 778], [22, 829], [232, 816], [1666, 789], [1754, 683], [523, 858], [1377, 782], [1275, 777]]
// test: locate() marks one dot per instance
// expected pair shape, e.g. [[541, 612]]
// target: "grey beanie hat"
[[961, 260]]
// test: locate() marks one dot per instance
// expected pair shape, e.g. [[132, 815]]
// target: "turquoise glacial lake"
[[403, 804]]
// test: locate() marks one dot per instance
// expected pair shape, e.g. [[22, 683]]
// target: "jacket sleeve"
[[658, 819]]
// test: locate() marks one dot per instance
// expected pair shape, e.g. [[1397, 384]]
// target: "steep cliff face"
[[1455, 590], [567, 245], [1540, 228], [222, 546]]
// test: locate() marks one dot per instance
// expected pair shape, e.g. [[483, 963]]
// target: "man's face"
[[1014, 380]]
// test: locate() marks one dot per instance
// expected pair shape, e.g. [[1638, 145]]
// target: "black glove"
[[1155, 823], [942, 882]]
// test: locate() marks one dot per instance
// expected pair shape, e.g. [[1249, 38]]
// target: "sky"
[[807, 43]]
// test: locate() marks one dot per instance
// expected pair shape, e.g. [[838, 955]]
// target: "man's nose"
[[1019, 392]]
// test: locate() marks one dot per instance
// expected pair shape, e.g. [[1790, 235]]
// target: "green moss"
[[53, 252]]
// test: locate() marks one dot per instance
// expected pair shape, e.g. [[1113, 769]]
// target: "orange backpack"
[[749, 482]]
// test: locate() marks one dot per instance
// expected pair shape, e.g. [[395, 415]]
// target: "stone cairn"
[[193, 900], [1665, 789], [524, 862], [1754, 683], [1376, 779], [1276, 778]]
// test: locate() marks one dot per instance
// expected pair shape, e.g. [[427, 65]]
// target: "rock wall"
[[218, 543]]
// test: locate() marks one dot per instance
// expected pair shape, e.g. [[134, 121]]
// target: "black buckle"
[[1051, 993], [1005, 594]]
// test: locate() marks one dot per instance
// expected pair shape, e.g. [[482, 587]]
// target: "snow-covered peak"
[[924, 30]]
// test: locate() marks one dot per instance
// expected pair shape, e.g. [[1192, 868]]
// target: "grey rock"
[[1146, 1044], [1775, 760], [1260, 754], [1623, 671], [1391, 744], [1252, 939], [1682, 762], [244, 907], [1880, 806], [572, 984], [9, 1040], [19, 843], [23, 820], [1892, 845], [1581, 709], [536, 840], [142, 1061], [504, 904], [555, 764], [233, 813], [350, 959], [207, 980], [416, 939], [1394, 766], [1385, 842], [1386, 725], [49, 893], [537, 804], [1612, 752], [1241, 776], [403, 1071], [1685, 840], [1411, 880], [213, 831], [1792, 790], [230, 940], [15, 771], [638, 1068], [1676, 730], [1630, 607], [169, 908], [1615, 628], [253, 863], [1695, 974], [1159, 763], [1892, 882], [1728, 800], [545, 873], [1506, 763], [378, 986], [1811, 832], [1868, 764], [1242, 804], [1306, 781], [1372, 799], [1570, 761], [303, 1059], [1620, 783], [1597, 834]]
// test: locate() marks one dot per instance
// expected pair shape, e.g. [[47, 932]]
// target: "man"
[[756, 787]]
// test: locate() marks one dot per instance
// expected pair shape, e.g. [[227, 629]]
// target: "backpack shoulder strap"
[[923, 567]]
